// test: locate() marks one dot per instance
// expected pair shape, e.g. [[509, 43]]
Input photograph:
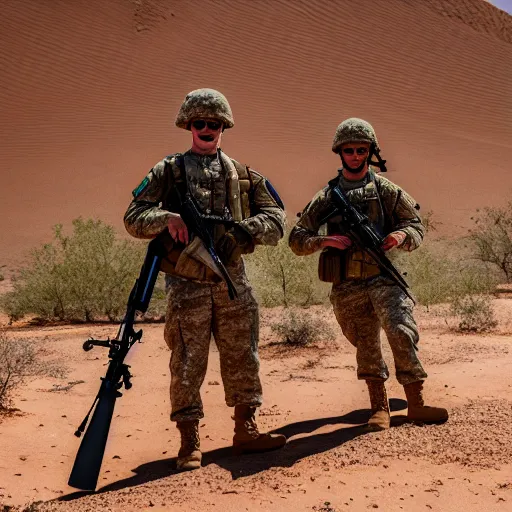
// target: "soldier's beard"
[[355, 170]]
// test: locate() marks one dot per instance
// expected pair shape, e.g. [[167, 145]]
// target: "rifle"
[[197, 223], [86, 468], [360, 230]]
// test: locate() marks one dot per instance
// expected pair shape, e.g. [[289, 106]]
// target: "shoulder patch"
[[143, 185], [273, 192]]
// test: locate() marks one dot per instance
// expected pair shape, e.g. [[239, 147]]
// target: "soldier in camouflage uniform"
[[198, 301], [362, 299]]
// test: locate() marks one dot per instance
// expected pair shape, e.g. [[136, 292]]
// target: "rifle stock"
[[86, 468]]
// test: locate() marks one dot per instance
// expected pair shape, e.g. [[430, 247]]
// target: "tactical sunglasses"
[[359, 151], [200, 124]]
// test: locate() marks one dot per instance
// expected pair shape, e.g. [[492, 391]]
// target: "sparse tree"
[[492, 238]]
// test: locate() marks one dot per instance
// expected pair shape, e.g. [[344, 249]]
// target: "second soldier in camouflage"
[[364, 301], [198, 300]]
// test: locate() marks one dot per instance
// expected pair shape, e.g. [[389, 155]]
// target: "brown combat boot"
[[417, 410], [247, 438], [189, 456], [380, 418]]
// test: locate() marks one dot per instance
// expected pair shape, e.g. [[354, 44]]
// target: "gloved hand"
[[340, 242], [395, 239], [233, 244]]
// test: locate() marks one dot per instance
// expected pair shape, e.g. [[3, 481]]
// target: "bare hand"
[[177, 228], [394, 239], [340, 242]]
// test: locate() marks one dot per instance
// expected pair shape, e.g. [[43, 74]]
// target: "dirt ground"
[[331, 463]]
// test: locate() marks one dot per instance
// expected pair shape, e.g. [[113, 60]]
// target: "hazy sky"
[[504, 5]]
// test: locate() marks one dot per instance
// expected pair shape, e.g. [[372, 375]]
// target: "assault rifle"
[[200, 225], [86, 468], [360, 230]]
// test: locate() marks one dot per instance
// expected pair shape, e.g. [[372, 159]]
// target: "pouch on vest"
[[331, 265], [359, 265], [181, 260]]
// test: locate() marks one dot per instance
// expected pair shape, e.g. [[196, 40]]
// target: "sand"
[[89, 92]]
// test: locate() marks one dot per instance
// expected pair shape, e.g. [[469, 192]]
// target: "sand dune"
[[89, 92]]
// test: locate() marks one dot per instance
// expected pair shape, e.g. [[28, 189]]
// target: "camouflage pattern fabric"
[[353, 130], [192, 307], [196, 310], [362, 308], [400, 212], [204, 103], [145, 218]]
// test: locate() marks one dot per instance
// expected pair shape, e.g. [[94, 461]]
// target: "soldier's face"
[[206, 135], [354, 154]]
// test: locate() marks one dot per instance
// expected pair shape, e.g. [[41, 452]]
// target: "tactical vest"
[[353, 264], [216, 195], [223, 190]]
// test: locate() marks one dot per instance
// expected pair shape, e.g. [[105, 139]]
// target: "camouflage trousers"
[[196, 311], [362, 308]]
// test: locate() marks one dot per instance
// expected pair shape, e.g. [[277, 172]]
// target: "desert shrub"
[[86, 275], [475, 313], [20, 359], [281, 278], [443, 271], [299, 328]]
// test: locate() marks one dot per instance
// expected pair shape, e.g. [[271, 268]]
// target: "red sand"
[[311, 394]]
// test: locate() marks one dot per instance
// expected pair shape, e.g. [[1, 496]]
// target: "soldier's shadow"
[[246, 465]]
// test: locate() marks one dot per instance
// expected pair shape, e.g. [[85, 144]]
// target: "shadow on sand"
[[246, 465]]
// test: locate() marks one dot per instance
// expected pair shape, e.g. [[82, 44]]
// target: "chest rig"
[[222, 189], [353, 264], [220, 186]]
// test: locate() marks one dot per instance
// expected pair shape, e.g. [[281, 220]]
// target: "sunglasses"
[[201, 124], [359, 151]]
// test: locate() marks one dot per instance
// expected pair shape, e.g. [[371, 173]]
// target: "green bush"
[[475, 313], [81, 277], [281, 278], [443, 270], [298, 328]]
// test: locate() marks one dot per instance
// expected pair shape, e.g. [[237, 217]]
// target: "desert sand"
[[311, 395], [89, 91]]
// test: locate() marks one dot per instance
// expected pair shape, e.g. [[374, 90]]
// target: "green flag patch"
[[141, 187]]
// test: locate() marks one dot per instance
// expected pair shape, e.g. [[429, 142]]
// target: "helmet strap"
[[381, 164]]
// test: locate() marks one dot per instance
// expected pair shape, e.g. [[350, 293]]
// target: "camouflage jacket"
[[146, 217], [400, 213]]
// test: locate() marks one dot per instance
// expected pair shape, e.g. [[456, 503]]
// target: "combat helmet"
[[354, 130], [204, 103]]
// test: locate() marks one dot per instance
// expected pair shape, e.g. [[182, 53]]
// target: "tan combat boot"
[[189, 456], [247, 438], [380, 418], [417, 410]]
